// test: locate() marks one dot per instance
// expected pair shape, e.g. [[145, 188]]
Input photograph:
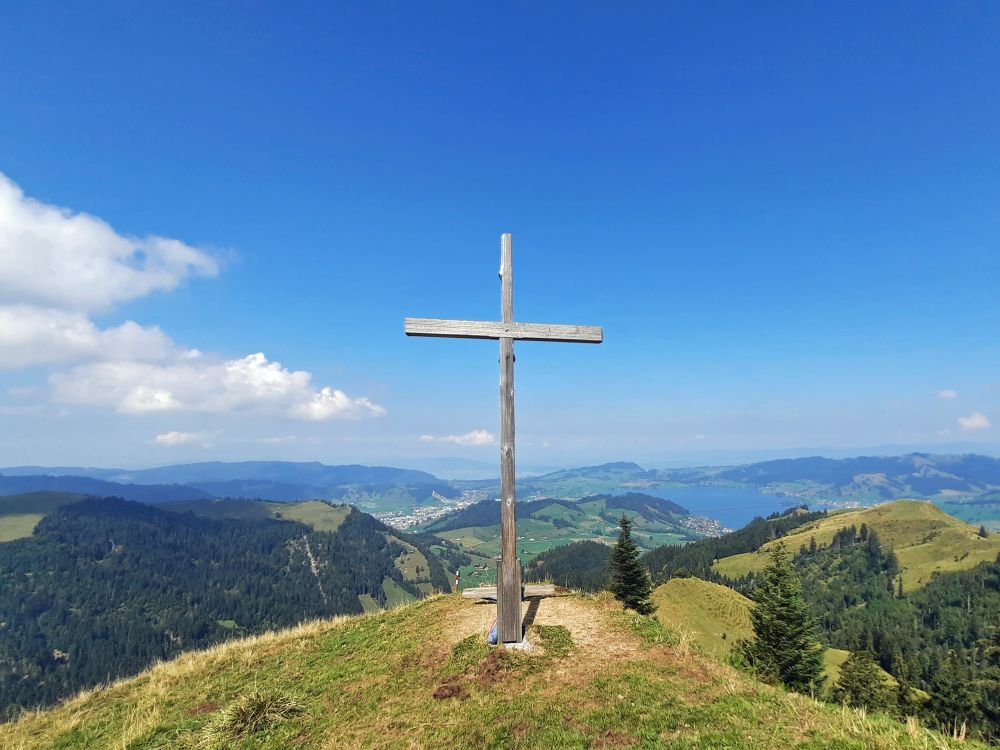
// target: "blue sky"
[[785, 216]]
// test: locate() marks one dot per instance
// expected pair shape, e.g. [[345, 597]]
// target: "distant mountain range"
[[372, 488], [965, 480], [871, 477]]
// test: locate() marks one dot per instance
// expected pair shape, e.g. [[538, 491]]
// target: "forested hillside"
[[105, 586], [901, 580]]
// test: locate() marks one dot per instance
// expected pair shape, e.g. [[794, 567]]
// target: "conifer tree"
[[860, 683], [629, 580], [785, 648], [987, 686]]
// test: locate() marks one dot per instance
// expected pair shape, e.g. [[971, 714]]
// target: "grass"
[[316, 514], [18, 525], [395, 595], [248, 715], [19, 514], [420, 676], [714, 617], [925, 539]]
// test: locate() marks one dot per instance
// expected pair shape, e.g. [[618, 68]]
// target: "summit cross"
[[509, 626]]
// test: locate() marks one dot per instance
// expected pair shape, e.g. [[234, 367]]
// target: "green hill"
[[104, 587], [924, 538], [547, 523], [715, 617], [421, 677]]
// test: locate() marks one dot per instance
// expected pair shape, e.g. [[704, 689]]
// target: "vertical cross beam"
[[509, 574]]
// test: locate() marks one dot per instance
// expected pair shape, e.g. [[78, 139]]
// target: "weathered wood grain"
[[531, 591], [497, 329], [509, 573]]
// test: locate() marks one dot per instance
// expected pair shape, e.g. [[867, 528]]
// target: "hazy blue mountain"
[[143, 493], [873, 477]]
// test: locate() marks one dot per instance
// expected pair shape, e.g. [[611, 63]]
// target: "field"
[[536, 536], [316, 514], [422, 676], [19, 514], [924, 538]]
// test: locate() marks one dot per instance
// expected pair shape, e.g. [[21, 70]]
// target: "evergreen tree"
[[629, 580], [983, 532], [784, 648], [860, 683], [987, 686]]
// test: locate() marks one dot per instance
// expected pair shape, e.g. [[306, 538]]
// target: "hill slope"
[[717, 617], [548, 522], [924, 538], [104, 587], [420, 676]]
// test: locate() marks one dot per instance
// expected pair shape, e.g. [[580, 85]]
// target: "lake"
[[731, 506]]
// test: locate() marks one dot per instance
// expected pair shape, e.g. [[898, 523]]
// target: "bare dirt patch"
[[613, 739], [452, 689]]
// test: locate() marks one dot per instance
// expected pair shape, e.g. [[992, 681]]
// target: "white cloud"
[[35, 335], [52, 257], [948, 393], [194, 383], [974, 422], [476, 437], [58, 268], [174, 438]]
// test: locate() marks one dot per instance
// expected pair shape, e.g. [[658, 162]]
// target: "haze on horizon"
[[785, 218]]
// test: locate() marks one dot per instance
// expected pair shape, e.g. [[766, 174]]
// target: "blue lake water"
[[731, 506]]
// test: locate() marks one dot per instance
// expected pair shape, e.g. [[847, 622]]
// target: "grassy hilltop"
[[420, 676], [924, 538]]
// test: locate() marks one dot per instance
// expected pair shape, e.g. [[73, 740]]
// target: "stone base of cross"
[[508, 592]]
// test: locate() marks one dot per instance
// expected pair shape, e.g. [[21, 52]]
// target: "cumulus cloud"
[[58, 268], [196, 383], [52, 257], [974, 422], [476, 437], [948, 393], [34, 335], [174, 438]]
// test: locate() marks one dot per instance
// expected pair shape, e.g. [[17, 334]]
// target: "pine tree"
[[983, 532], [860, 683], [785, 648], [987, 685], [629, 580]]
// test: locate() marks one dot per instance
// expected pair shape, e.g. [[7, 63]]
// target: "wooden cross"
[[506, 330]]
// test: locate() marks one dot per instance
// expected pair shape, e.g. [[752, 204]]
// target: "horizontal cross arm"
[[495, 329]]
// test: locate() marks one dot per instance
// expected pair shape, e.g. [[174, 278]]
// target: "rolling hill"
[[140, 493], [549, 522], [924, 538], [421, 676], [371, 488], [716, 617], [104, 587]]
